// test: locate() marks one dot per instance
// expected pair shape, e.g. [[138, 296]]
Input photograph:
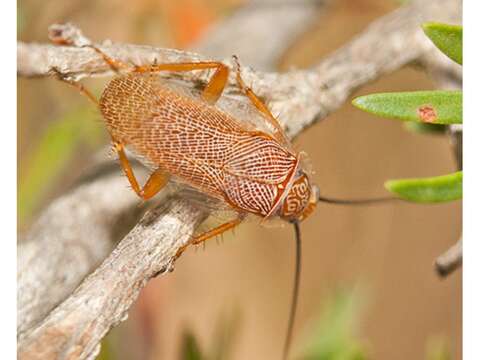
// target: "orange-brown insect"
[[185, 136]]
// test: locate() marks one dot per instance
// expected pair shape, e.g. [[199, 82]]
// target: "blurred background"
[[368, 289]]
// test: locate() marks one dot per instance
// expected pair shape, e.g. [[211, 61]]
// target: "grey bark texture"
[[60, 280], [450, 260], [62, 246]]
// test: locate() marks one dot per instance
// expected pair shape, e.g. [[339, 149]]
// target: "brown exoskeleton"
[[184, 136]]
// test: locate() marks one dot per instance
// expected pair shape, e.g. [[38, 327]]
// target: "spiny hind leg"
[[155, 182], [255, 100], [212, 91], [211, 234]]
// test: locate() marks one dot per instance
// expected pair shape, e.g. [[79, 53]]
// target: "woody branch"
[[75, 248], [74, 235], [451, 259], [303, 97]]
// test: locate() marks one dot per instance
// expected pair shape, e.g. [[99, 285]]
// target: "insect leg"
[[212, 91], [76, 84], [255, 100], [211, 234], [115, 65], [155, 182]]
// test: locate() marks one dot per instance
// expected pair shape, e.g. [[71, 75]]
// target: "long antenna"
[[296, 285], [357, 201], [298, 258]]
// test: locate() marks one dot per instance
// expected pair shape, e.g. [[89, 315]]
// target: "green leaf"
[[448, 38], [424, 128], [51, 154], [437, 348], [333, 335], [20, 20], [106, 350], [190, 350], [428, 190], [223, 337], [433, 107]]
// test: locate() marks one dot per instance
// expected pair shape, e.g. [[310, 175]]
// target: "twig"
[[265, 43], [448, 75], [58, 281], [302, 97], [450, 260], [70, 239], [74, 329], [312, 93]]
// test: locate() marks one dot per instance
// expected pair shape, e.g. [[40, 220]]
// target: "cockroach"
[[183, 135]]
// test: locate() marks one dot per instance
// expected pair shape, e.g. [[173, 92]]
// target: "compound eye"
[[297, 198]]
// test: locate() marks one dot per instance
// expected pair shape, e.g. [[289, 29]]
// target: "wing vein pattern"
[[197, 143]]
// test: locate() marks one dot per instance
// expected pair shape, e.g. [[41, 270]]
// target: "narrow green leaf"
[[424, 128], [432, 107], [20, 20], [437, 348], [190, 350], [52, 153], [223, 337], [333, 337], [428, 190], [106, 350], [448, 38]]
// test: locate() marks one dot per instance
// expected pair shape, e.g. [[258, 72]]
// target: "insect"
[[185, 136]]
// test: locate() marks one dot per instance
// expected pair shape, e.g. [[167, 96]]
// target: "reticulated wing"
[[199, 144], [251, 196], [237, 106], [170, 129], [259, 158]]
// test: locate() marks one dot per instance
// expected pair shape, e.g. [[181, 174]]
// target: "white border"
[[8, 151], [471, 294], [471, 150]]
